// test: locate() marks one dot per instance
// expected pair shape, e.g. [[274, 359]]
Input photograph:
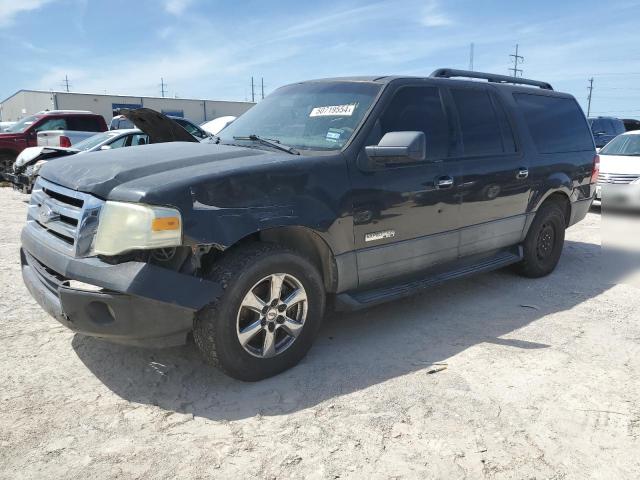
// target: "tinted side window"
[[85, 124], [480, 124], [419, 109], [556, 124], [52, 124]]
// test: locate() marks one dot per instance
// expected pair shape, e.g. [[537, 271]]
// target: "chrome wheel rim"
[[272, 315]]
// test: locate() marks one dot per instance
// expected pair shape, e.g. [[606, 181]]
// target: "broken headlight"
[[132, 226]]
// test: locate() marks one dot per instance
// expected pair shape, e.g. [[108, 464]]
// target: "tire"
[[543, 244], [6, 161], [254, 269]]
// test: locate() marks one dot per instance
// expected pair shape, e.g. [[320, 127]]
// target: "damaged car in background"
[[156, 128]]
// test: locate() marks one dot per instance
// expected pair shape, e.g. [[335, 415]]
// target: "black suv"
[[358, 190], [605, 129]]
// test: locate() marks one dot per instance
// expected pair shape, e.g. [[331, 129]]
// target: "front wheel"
[[6, 162], [543, 244], [268, 315]]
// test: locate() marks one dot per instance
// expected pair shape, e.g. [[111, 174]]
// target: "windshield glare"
[[93, 141], [307, 116], [22, 125], [623, 145]]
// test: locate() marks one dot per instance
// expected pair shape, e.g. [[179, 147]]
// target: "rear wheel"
[[544, 242], [268, 315]]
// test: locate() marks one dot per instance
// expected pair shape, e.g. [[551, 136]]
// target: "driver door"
[[406, 216]]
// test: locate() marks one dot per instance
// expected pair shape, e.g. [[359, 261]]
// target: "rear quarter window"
[[556, 124], [85, 124]]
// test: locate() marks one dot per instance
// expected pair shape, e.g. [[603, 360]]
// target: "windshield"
[[94, 141], [22, 125], [307, 116], [623, 145]]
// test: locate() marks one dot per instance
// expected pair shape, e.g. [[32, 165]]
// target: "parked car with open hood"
[[619, 179], [362, 190], [123, 121], [155, 128], [24, 133]]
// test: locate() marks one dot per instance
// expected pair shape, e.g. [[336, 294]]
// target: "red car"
[[25, 133]]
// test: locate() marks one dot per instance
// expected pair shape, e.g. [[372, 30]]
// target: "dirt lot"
[[542, 380]]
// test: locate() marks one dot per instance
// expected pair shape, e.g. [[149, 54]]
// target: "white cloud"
[[176, 7], [433, 16], [10, 8]]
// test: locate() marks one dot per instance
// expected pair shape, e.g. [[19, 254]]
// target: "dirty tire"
[[6, 162], [237, 272], [543, 245]]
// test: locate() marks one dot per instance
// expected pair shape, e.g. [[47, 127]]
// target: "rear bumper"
[[580, 209], [133, 303]]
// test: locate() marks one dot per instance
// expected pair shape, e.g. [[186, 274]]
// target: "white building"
[[28, 102]]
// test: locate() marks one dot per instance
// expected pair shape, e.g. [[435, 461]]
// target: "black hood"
[[131, 174]]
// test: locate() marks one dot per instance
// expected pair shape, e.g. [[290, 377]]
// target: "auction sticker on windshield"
[[343, 110]]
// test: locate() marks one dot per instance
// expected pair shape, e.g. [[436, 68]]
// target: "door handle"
[[522, 173], [444, 182]]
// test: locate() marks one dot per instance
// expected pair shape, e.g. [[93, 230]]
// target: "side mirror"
[[105, 147], [398, 148]]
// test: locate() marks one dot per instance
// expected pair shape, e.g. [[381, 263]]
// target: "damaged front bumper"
[[134, 303], [19, 181]]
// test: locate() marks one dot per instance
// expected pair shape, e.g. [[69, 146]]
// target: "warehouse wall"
[[25, 103], [28, 102]]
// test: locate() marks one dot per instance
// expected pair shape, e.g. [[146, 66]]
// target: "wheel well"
[[563, 201], [301, 240]]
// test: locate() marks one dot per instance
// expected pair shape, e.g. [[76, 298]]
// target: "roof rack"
[[491, 77]]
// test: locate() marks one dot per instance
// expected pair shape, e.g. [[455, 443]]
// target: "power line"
[[516, 59], [590, 87]]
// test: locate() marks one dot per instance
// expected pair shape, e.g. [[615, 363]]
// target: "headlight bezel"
[[124, 227]]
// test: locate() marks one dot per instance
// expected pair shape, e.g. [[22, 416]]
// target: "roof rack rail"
[[491, 77]]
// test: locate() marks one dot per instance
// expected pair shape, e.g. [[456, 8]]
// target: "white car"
[[214, 126], [31, 159], [619, 179]]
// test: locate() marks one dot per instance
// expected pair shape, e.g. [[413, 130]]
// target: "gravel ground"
[[542, 380]]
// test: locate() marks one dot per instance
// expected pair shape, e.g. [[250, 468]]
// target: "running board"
[[357, 300]]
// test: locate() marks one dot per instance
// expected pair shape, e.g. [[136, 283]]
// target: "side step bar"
[[357, 300]]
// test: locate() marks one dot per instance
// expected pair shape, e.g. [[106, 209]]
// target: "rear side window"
[[556, 124], [419, 109], [85, 124], [52, 124], [484, 128]]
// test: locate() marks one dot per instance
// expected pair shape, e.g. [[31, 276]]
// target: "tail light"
[[596, 169], [65, 141]]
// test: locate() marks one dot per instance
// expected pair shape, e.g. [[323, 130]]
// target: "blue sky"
[[210, 48]]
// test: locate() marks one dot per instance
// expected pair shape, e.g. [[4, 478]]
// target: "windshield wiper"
[[270, 143]]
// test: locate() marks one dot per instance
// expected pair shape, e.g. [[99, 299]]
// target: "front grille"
[[617, 178], [69, 218]]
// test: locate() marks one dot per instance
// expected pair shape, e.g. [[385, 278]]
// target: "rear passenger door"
[[495, 185]]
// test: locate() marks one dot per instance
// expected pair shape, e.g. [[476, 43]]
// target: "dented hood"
[[159, 127], [137, 174]]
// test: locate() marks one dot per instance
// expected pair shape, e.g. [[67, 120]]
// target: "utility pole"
[[163, 86], [590, 87], [471, 57], [66, 83], [253, 91], [516, 59], [262, 86]]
